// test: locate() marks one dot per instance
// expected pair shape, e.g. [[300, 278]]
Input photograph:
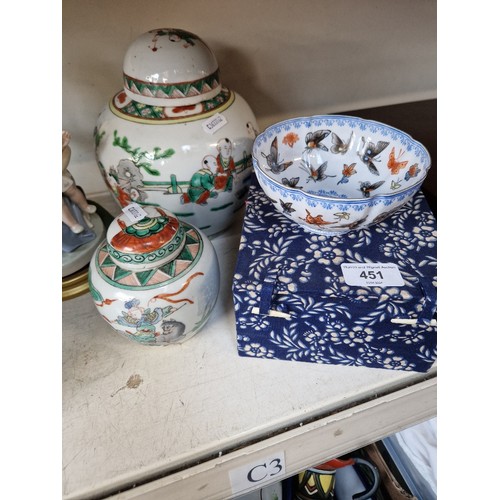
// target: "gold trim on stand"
[[75, 284]]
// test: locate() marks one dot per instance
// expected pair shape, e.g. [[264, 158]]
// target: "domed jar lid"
[[170, 67], [154, 239]]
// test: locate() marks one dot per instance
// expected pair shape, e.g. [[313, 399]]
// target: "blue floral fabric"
[[292, 302]]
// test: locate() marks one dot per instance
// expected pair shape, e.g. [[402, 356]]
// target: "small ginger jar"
[[174, 136], [155, 279]]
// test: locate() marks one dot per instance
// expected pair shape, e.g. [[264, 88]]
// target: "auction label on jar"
[[134, 212], [368, 274], [258, 473], [214, 123]]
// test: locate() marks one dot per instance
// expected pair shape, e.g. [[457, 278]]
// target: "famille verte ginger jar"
[[175, 137], [155, 279]]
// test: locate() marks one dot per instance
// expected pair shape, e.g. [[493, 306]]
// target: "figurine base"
[[80, 257]]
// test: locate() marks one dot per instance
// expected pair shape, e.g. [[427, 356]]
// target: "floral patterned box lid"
[[364, 298]]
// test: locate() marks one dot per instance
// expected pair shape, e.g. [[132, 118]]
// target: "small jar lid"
[[151, 242], [170, 67]]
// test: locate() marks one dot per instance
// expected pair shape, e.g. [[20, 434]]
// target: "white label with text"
[[258, 473], [134, 212], [372, 274], [214, 123]]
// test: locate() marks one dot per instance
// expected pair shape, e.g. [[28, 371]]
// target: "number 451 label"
[[372, 274]]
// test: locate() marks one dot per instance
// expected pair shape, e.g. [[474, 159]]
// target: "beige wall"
[[285, 57]]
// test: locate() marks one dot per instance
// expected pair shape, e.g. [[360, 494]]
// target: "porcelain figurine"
[[174, 136], [78, 216], [73, 192], [155, 280]]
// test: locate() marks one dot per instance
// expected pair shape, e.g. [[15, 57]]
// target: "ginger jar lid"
[[155, 238], [170, 67]]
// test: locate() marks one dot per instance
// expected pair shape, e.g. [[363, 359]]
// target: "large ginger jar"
[[174, 136], [154, 280]]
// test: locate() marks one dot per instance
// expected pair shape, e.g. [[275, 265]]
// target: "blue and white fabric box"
[[292, 300]]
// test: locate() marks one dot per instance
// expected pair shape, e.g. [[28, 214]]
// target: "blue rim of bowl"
[[278, 126]]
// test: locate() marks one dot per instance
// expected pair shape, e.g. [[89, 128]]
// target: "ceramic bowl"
[[335, 173]]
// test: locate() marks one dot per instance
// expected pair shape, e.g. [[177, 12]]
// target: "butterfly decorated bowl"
[[336, 173]]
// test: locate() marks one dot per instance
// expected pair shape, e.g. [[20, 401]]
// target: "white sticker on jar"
[[134, 212], [214, 123], [372, 274]]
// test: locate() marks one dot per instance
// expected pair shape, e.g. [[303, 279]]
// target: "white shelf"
[[201, 411]]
